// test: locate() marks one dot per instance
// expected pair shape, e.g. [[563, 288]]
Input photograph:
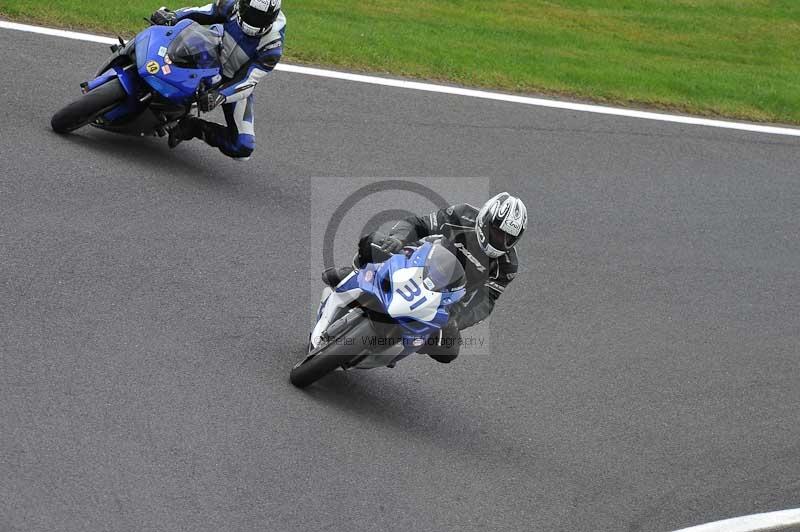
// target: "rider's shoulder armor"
[[239, 50], [453, 218]]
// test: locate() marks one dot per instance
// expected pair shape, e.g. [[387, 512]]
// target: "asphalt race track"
[[643, 371]]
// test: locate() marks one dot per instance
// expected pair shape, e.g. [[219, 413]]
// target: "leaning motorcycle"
[[383, 312], [149, 83]]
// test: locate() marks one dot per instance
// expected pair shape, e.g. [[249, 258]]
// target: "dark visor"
[[257, 18], [499, 239]]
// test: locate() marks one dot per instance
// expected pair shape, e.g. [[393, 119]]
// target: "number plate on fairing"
[[410, 297]]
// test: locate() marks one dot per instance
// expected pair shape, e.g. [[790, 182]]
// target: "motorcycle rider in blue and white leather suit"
[[252, 44]]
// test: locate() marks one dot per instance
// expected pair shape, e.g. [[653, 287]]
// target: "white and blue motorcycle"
[[383, 312]]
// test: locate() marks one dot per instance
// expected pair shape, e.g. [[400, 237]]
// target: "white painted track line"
[[56, 33], [772, 521], [458, 91]]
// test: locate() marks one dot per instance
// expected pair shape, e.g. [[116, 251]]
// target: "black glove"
[[209, 100], [163, 17], [391, 245]]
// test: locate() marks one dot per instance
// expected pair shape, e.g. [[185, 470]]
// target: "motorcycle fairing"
[[338, 299], [399, 290], [388, 280], [177, 83], [172, 84]]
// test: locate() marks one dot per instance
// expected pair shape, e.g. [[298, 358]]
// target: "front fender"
[[129, 77]]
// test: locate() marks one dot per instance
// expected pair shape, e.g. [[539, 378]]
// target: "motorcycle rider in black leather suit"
[[482, 239]]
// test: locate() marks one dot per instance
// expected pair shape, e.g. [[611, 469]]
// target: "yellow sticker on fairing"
[[152, 67]]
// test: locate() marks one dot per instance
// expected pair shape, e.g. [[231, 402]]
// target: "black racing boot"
[[187, 129], [444, 359], [333, 276]]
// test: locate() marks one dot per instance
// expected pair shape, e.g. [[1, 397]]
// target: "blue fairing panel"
[[101, 79], [375, 279], [129, 79], [177, 83], [142, 47], [164, 88]]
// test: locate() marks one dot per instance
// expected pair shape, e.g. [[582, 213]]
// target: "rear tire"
[[88, 107]]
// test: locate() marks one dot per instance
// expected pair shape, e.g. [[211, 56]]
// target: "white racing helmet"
[[500, 223], [255, 17]]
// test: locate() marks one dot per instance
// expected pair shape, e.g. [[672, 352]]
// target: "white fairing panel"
[[410, 297], [335, 301]]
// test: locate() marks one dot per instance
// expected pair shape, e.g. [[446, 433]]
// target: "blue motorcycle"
[[149, 83], [383, 312]]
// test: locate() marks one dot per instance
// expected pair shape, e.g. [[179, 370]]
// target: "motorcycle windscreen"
[[196, 47], [442, 272]]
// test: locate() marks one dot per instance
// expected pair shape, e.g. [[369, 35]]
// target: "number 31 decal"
[[413, 291]]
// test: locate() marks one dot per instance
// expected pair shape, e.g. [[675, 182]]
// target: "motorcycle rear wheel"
[[88, 107]]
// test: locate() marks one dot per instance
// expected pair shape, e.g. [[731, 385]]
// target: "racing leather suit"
[[245, 61]]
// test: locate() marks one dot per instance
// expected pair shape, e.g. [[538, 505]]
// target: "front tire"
[[310, 371], [88, 107], [333, 354]]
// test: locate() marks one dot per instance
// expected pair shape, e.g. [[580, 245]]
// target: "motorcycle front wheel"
[[334, 353], [88, 107]]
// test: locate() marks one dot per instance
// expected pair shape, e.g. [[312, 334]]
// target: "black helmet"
[[255, 17], [500, 223]]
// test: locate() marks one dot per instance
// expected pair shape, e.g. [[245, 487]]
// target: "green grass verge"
[[735, 58]]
